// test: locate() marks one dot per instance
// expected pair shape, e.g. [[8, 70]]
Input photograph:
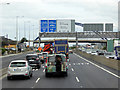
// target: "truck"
[[61, 47], [117, 52]]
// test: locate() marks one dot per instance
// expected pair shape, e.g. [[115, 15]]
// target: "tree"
[[23, 40]]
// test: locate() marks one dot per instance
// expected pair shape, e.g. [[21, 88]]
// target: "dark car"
[[35, 64], [32, 56]]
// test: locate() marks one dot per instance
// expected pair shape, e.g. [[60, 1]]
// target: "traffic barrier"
[[112, 63]]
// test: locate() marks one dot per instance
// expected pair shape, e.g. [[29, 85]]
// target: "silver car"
[[19, 68]]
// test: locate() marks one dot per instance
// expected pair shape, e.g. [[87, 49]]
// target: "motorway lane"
[[7, 60], [92, 77], [81, 74]]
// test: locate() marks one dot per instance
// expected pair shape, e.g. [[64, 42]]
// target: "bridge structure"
[[80, 37]]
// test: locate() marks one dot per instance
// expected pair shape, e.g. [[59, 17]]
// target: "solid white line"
[[77, 79], [72, 69], [98, 66], [37, 80], [44, 70]]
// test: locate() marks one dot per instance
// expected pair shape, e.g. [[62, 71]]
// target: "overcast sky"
[[83, 11]]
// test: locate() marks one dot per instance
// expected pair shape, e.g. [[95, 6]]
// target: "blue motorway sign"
[[44, 25], [52, 25]]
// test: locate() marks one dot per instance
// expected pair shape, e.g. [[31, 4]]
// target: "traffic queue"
[[55, 61]]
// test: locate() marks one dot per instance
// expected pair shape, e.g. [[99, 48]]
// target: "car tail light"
[[37, 58]]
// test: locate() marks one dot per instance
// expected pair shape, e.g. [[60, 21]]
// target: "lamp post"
[[29, 33], [16, 33]]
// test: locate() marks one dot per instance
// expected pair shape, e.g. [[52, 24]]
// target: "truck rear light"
[[26, 74]]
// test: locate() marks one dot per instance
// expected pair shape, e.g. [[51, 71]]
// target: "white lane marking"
[[98, 66], [44, 70], [78, 63], [3, 76], [37, 80], [73, 63], [81, 86], [36, 70], [69, 64], [72, 69], [82, 63], [77, 79], [87, 63]]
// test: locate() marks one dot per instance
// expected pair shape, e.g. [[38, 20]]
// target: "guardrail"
[[112, 63]]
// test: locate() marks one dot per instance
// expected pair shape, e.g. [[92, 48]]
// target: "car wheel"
[[8, 78], [66, 74]]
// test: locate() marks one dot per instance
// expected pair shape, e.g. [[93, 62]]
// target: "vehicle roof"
[[56, 54], [44, 52], [19, 61], [30, 54]]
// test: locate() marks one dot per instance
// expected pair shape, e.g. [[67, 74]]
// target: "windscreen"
[[108, 53], [18, 64]]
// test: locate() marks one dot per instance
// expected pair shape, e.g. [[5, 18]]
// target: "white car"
[[94, 53], [110, 55], [19, 68]]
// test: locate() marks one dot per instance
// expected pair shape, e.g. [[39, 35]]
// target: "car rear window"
[[45, 55], [18, 64], [33, 62], [31, 57], [51, 58]]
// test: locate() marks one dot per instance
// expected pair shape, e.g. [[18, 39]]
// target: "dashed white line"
[[87, 63], [36, 70], [72, 69], [37, 80], [44, 70], [98, 66], [82, 63], [77, 79]]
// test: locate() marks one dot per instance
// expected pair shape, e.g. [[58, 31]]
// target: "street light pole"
[[17, 33], [29, 33]]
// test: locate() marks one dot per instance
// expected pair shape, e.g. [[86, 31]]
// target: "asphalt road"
[[6, 60], [81, 74]]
